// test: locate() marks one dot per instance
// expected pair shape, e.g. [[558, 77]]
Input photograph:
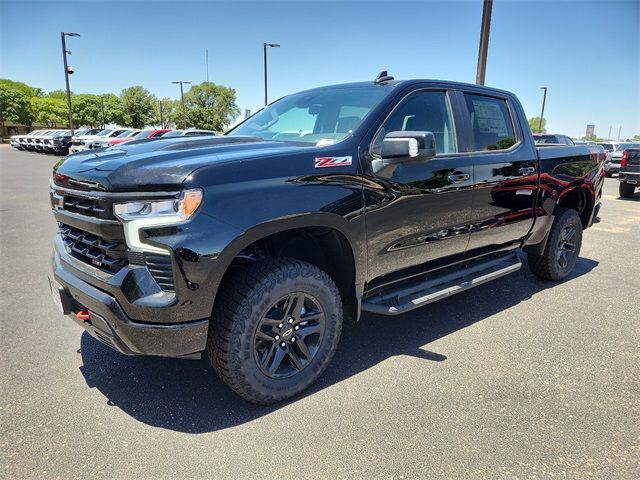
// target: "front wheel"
[[562, 249], [626, 190], [275, 327]]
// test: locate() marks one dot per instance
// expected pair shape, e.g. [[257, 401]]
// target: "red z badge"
[[323, 162]]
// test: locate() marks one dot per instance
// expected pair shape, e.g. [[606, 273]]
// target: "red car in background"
[[152, 133]]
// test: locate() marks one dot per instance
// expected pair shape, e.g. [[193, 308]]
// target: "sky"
[[587, 53]]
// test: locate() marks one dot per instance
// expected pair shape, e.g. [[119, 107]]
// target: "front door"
[[419, 216]]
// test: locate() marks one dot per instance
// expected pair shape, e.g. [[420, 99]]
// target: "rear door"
[[504, 172]]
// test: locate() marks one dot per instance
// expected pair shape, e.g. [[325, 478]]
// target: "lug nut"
[[297, 327], [283, 344], [293, 339], [277, 337], [291, 320], [280, 325]]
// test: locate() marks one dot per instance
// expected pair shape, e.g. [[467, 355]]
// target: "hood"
[[157, 164]]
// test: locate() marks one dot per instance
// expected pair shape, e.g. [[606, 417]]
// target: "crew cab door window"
[[424, 111], [491, 124]]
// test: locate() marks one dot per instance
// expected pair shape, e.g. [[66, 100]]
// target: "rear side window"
[[491, 123]]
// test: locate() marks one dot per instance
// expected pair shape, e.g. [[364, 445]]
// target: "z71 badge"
[[323, 162]]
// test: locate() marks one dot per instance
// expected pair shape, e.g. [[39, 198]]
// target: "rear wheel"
[[626, 190], [275, 328], [562, 249]]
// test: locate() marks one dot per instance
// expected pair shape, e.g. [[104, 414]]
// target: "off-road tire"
[[241, 303], [626, 190], [545, 265]]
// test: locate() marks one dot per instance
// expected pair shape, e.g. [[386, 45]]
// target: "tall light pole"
[[184, 113], [102, 110], [484, 41], [544, 99], [264, 46], [67, 71]]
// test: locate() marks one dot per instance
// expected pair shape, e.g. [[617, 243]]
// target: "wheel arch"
[[322, 239]]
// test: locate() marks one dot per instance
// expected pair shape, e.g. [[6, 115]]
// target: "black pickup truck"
[[379, 197], [629, 175]]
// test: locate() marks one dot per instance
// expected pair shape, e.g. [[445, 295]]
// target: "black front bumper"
[[109, 323]]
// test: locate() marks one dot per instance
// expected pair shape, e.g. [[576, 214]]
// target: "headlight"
[[155, 213]]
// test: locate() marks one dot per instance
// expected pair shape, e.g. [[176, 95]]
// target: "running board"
[[431, 289]]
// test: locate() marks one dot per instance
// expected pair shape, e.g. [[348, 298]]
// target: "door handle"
[[459, 177], [526, 170]]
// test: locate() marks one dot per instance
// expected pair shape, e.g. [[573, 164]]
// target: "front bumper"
[[78, 148], [109, 323]]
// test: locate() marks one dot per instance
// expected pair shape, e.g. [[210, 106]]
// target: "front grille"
[[160, 267], [86, 206], [108, 256]]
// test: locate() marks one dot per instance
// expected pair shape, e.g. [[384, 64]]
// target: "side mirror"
[[404, 147]]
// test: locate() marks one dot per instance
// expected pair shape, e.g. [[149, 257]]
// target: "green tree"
[[59, 94], [86, 110], [636, 137], [14, 107], [23, 87], [169, 116], [113, 109], [211, 106], [51, 111], [139, 107], [534, 123]]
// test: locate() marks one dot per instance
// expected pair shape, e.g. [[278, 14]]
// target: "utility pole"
[[609, 136], [184, 113], [102, 110], [161, 116], [619, 132], [67, 71], [484, 42], [264, 46], [544, 99], [207, 62]]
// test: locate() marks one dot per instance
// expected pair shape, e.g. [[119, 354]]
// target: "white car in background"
[[104, 141], [32, 140], [84, 142]]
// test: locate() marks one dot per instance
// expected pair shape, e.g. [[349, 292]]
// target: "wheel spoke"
[[294, 359], [312, 317], [308, 330], [264, 336], [296, 308], [570, 232], [277, 360], [268, 353], [563, 259], [304, 350]]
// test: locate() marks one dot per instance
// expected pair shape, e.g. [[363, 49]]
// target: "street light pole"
[[102, 110], [161, 116], [184, 116], [66, 74], [544, 99], [484, 42], [264, 46]]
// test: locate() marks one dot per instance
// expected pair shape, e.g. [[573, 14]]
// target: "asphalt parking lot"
[[519, 378]]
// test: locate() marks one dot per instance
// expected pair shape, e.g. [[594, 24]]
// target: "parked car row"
[[61, 142], [615, 152]]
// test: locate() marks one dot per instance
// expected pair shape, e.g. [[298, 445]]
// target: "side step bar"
[[420, 293]]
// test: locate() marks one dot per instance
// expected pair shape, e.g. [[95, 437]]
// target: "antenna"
[[382, 78]]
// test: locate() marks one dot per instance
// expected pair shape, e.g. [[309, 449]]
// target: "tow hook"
[[84, 316]]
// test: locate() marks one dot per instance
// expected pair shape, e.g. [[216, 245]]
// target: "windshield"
[[545, 139], [104, 133], [623, 146], [321, 117], [143, 134], [174, 133], [607, 146], [125, 134]]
